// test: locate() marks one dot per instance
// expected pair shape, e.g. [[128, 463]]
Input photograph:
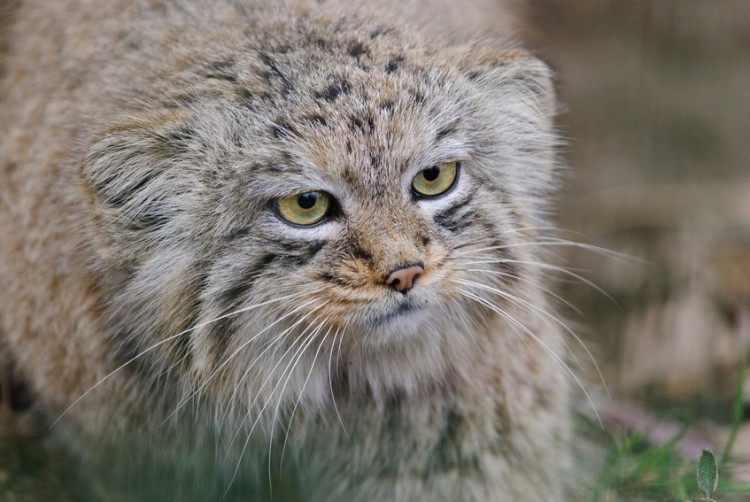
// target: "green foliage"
[[708, 474], [738, 408], [635, 470]]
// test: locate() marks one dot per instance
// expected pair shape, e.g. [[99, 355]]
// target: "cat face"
[[289, 214]]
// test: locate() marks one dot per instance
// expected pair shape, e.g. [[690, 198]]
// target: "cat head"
[[337, 189]]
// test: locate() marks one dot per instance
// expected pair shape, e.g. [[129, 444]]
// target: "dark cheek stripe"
[[233, 298], [184, 342], [220, 334], [131, 347], [294, 254], [457, 217], [333, 279]]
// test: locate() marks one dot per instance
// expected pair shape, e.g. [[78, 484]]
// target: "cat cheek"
[[133, 190]]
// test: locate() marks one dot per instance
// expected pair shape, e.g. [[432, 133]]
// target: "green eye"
[[304, 209], [435, 180]]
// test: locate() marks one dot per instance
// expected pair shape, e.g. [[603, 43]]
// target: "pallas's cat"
[[260, 248]]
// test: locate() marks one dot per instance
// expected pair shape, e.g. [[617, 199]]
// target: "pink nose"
[[403, 278]]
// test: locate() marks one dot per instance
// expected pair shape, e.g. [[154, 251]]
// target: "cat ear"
[[131, 179], [516, 74], [516, 100]]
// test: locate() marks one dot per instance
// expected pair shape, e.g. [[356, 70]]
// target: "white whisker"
[[547, 349], [553, 242], [237, 312], [272, 343], [532, 283], [546, 317], [544, 266], [267, 401], [162, 342], [208, 379], [299, 398], [289, 371], [330, 381]]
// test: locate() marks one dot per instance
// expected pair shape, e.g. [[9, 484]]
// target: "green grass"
[[635, 470]]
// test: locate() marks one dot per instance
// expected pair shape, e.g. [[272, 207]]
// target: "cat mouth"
[[397, 314]]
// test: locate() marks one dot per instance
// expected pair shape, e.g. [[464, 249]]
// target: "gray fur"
[[157, 304]]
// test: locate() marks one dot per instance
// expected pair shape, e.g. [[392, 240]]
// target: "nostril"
[[402, 279]]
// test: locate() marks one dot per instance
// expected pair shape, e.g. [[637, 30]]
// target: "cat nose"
[[402, 279]]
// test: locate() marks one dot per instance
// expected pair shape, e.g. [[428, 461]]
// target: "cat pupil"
[[307, 200], [432, 173]]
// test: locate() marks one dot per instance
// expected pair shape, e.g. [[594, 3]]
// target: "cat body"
[[170, 295]]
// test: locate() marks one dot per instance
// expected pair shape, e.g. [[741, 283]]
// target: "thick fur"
[[155, 301]]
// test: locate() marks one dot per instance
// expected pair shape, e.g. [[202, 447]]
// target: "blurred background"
[[657, 97]]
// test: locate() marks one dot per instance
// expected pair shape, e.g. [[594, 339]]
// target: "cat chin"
[[402, 319], [402, 322]]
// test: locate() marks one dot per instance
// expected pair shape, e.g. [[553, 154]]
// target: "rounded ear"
[[515, 73], [515, 97], [131, 179]]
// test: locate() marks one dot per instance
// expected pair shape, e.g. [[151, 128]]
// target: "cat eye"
[[435, 180], [304, 209]]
